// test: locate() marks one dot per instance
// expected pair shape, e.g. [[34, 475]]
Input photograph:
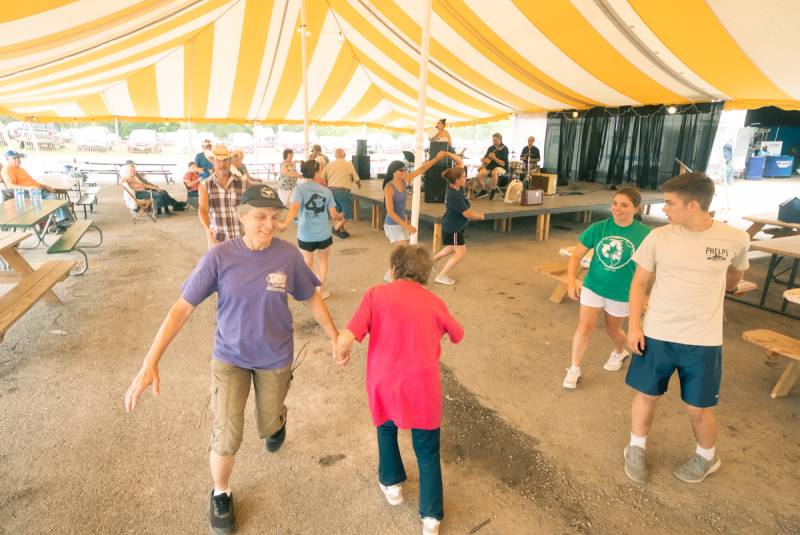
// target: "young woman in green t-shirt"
[[607, 283]]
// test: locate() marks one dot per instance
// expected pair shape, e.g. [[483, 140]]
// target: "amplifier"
[[361, 163], [435, 185]]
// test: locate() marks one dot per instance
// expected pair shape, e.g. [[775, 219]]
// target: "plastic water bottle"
[[36, 198], [19, 198]]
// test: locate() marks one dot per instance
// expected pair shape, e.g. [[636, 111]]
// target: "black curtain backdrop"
[[628, 145], [696, 135]]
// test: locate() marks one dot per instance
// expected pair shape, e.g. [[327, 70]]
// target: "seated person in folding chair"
[[495, 165], [139, 184], [239, 168], [15, 176], [192, 181]]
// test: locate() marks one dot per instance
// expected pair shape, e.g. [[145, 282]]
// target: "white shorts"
[[617, 309], [395, 233]]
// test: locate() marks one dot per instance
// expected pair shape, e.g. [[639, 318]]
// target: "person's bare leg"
[[308, 258], [221, 470], [459, 252], [322, 266], [704, 425], [643, 410], [615, 332], [587, 321], [443, 252], [495, 177]]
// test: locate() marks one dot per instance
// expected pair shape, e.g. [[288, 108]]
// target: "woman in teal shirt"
[[606, 285]]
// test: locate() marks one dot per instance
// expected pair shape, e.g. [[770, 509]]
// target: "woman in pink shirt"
[[406, 323]]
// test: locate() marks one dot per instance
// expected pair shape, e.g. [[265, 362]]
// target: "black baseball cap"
[[262, 196]]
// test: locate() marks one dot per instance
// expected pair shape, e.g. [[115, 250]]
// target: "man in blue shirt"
[[203, 161]]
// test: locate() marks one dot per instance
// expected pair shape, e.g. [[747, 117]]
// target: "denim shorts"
[[699, 370], [395, 233]]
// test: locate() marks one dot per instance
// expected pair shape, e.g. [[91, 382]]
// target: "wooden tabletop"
[[590, 197], [11, 216], [771, 219], [788, 246], [9, 240]]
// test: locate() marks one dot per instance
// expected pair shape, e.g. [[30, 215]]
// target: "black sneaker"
[[275, 440], [220, 514], [493, 194], [482, 193]]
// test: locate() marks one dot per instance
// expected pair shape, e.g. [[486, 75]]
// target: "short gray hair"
[[412, 262]]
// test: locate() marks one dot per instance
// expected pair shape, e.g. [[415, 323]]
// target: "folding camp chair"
[[139, 206]]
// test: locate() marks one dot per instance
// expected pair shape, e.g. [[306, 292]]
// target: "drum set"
[[523, 169]]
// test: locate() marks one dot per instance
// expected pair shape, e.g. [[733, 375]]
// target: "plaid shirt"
[[222, 205]]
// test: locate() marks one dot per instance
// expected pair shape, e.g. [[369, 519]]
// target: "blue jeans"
[[62, 214], [426, 448]]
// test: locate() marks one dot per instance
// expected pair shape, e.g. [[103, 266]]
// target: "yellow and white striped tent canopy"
[[240, 60]]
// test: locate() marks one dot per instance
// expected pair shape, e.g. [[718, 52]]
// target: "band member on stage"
[[495, 165], [442, 134], [530, 157]]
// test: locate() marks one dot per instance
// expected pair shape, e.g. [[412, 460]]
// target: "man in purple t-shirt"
[[253, 276]]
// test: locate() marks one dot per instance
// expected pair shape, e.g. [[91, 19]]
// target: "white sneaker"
[[572, 378], [615, 360], [430, 526], [444, 279], [387, 277], [393, 493]]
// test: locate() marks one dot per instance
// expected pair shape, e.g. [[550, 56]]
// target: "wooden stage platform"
[[579, 197]]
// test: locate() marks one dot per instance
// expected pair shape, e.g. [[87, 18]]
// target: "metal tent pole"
[[419, 155], [304, 53]]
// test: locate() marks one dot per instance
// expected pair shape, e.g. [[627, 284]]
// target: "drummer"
[[530, 157]]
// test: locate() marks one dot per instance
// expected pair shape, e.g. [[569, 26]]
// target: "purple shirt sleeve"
[[305, 282], [203, 280]]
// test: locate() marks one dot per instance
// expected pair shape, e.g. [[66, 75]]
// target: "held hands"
[[341, 350], [145, 377], [636, 340]]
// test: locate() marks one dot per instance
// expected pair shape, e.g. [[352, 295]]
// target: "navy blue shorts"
[[699, 370]]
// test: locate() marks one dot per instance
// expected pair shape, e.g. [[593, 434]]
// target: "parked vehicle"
[[45, 135], [240, 140], [186, 143], [93, 138], [265, 137], [141, 140]]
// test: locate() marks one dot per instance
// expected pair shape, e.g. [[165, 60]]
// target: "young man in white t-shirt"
[[695, 260]]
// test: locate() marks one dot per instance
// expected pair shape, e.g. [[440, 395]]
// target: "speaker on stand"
[[435, 185], [361, 163]]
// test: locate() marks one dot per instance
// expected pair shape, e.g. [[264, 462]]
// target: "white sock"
[[575, 369], [217, 492], [638, 441], [707, 454]]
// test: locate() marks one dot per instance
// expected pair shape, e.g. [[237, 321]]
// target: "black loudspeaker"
[[789, 211], [435, 185], [361, 147], [361, 163], [437, 147]]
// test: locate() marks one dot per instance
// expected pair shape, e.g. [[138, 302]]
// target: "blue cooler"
[[779, 166], [755, 168]]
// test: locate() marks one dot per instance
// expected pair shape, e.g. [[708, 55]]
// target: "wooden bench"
[[88, 200], [30, 288], [557, 271], [778, 345], [68, 242]]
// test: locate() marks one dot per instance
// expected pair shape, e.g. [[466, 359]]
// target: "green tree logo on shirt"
[[614, 252]]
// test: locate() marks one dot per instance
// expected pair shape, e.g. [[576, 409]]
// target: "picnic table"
[[787, 247], [31, 285], [758, 222], [29, 218]]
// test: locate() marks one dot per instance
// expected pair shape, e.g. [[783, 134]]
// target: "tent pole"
[[419, 154], [33, 135], [255, 144], [305, 76], [475, 154]]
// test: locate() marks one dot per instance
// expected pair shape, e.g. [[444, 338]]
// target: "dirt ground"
[[520, 454]]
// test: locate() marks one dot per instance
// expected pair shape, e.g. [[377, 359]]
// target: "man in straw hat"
[[219, 196]]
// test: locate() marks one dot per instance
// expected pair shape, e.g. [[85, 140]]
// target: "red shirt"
[[405, 323], [192, 181]]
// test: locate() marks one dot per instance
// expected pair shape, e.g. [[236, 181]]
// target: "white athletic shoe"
[[572, 378], [387, 277], [393, 493], [430, 526], [444, 279], [615, 360]]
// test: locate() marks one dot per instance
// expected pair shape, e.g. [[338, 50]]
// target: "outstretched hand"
[[143, 379]]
